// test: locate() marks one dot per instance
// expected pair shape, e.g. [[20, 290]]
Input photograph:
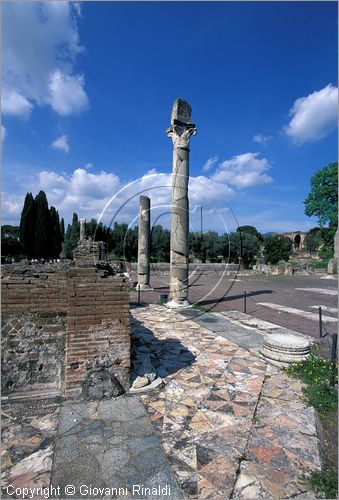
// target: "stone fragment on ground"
[[28, 435]]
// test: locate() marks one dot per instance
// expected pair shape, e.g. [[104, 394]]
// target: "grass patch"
[[200, 308], [58, 400], [162, 302], [319, 264], [316, 372], [325, 483]]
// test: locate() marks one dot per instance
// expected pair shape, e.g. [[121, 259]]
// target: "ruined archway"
[[296, 242]]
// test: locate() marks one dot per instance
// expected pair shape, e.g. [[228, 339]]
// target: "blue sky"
[[88, 88]]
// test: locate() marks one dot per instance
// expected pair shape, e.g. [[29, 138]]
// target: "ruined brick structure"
[[66, 330], [98, 329]]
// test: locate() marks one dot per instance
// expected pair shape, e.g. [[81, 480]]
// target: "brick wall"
[[67, 330], [43, 293], [98, 331], [33, 325]]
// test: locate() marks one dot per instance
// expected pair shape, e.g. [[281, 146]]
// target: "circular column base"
[[285, 349], [173, 304]]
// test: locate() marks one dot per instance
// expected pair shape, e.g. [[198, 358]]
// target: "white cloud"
[[262, 139], [61, 143], [11, 207], [210, 163], [40, 46], [314, 116], [15, 104], [89, 193], [67, 93], [105, 195], [242, 171], [3, 133]]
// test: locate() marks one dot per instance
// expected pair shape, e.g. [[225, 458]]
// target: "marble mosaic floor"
[[225, 424], [230, 425]]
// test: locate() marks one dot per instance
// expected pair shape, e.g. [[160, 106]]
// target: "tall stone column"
[[82, 229], [144, 243], [180, 131]]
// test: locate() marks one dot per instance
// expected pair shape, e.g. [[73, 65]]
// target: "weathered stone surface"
[[285, 348], [110, 444], [144, 243], [28, 432], [277, 270], [140, 382], [180, 132], [101, 382], [82, 229], [332, 266], [32, 351], [211, 413]]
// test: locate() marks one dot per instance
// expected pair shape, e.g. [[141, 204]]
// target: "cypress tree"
[[72, 236], [42, 246], [27, 226], [55, 236], [62, 230]]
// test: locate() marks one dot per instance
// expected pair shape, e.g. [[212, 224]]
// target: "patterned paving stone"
[[230, 426], [28, 434], [205, 412]]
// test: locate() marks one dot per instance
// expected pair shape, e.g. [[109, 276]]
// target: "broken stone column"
[[144, 243], [332, 267], [82, 229], [180, 131]]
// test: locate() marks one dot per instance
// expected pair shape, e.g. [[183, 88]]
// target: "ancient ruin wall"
[[67, 331], [33, 332], [98, 335]]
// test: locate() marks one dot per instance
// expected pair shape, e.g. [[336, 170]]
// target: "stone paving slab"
[[28, 437], [227, 425], [219, 323], [283, 447], [109, 444]]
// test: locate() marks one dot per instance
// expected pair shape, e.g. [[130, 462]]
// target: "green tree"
[[244, 246], [96, 231], [72, 236], [62, 230], [10, 241], [326, 248], [116, 239], [211, 246], [27, 226], [55, 235], [313, 240], [195, 245], [322, 201], [250, 230], [42, 235], [131, 244], [276, 248], [160, 244]]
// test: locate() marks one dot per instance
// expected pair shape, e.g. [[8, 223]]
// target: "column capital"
[[181, 134]]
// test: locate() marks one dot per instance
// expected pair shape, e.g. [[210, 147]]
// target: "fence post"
[[320, 323], [245, 302], [334, 357]]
